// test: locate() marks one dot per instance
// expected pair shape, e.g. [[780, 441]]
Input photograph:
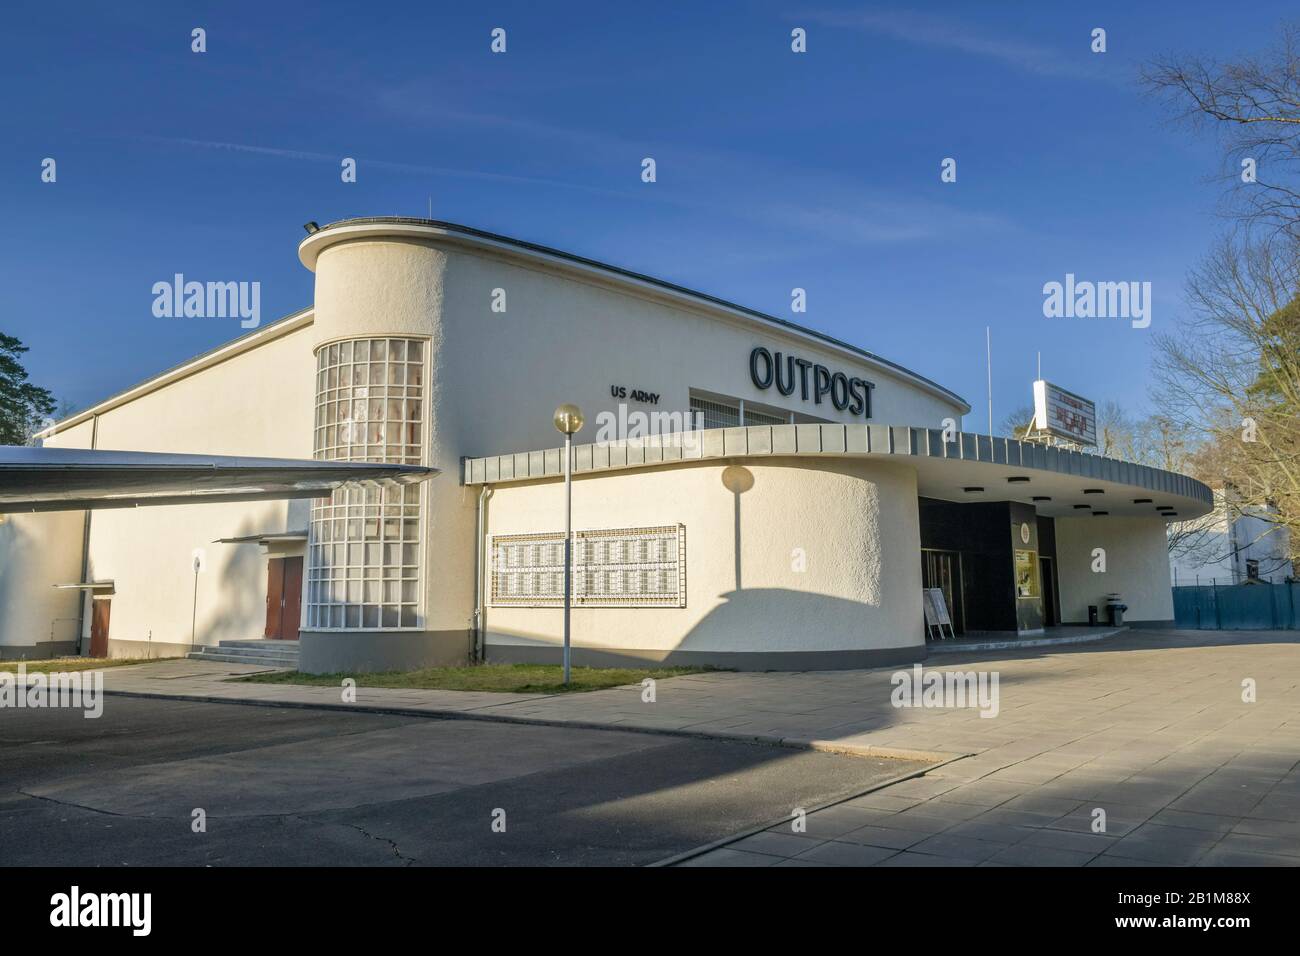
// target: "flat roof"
[[310, 248], [76, 479], [965, 468]]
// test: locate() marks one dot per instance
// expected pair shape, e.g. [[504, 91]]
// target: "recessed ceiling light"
[[1077, 507], [1017, 478], [1094, 491], [1098, 514], [1042, 497], [1141, 501], [973, 488]]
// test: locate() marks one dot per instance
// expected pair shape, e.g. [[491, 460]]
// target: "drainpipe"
[[480, 557], [85, 549]]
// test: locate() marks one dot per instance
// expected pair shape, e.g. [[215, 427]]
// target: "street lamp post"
[[568, 419]]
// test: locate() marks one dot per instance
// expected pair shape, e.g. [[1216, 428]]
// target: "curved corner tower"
[[389, 585]]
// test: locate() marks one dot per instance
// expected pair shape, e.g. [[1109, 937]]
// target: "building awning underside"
[[74, 479]]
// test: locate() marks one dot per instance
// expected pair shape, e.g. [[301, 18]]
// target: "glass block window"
[[365, 554], [370, 401], [622, 567]]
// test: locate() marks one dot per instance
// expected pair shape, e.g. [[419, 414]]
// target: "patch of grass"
[[499, 678], [50, 664]]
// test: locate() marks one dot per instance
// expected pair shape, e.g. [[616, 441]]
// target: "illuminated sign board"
[[1063, 414]]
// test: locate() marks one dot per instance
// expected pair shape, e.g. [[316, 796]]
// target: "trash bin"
[[1115, 613], [1092, 615]]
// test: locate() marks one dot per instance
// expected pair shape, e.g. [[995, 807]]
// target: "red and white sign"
[[1064, 414]]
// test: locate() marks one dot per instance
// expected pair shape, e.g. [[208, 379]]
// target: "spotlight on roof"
[[312, 227]]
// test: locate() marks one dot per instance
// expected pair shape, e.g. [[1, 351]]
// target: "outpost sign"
[[786, 371]]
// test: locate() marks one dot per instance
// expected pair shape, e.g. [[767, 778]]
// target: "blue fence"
[[1238, 607]]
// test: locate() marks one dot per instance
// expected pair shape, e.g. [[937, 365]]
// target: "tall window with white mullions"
[[365, 554]]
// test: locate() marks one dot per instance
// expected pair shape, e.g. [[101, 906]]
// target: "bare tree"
[[1117, 433], [1254, 103], [1231, 374], [1019, 422]]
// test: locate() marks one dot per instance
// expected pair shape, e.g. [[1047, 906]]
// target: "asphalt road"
[[285, 787]]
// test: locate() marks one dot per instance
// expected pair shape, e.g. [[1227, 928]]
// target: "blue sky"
[[775, 170]]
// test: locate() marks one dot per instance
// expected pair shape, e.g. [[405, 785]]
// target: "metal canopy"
[[76, 479], [263, 538], [961, 467]]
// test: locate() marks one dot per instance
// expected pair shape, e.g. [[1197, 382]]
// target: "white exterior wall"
[[1137, 567], [858, 600], [495, 378], [563, 340], [1214, 549], [257, 403], [1258, 539], [38, 551]]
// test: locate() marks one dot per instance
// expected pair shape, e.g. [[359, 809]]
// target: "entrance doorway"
[[1047, 575], [99, 613], [942, 569], [283, 598]]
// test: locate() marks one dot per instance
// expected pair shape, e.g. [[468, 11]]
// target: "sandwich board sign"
[[936, 611]]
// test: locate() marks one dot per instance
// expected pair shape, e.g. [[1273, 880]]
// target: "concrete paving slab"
[[1144, 724]]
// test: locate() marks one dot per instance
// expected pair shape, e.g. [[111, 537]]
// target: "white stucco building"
[[796, 530], [1233, 544]]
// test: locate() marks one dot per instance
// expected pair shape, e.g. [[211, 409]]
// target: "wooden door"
[[99, 627], [274, 597], [283, 598], [292, 602]]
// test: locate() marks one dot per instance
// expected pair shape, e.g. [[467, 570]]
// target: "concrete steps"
[[282, 655]]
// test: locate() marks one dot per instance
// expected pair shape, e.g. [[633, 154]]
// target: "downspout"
[[480, 557], [85, 551]]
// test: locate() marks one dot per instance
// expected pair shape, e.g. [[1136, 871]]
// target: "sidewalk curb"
[[762, 827], [939, 758]]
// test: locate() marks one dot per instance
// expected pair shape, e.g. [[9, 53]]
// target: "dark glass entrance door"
[[1048, 580], [942, 569]]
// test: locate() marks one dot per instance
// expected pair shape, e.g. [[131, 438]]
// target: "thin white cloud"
[[949, 34], [280, 153], [812, 205]]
